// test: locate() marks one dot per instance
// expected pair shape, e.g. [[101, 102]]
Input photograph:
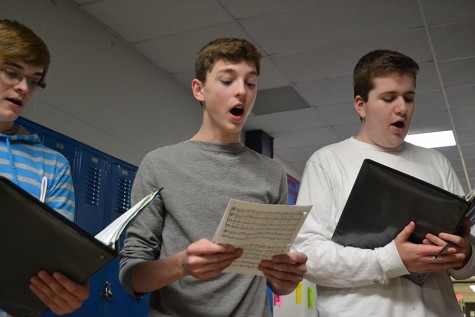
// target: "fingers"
[[284, 271], [58, 292], [204, 259], [406, 232]]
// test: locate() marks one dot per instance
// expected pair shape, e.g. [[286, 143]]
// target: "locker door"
[[91, 190], [64, 146], [120, 185], [90, 208]]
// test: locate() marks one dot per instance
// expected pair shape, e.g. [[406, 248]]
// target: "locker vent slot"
[[93, 186], [124, 188]]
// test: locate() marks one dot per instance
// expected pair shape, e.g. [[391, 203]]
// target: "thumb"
[[406, 232]]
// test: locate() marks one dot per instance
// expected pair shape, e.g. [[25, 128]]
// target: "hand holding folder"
[[384, 200], [34, 237]]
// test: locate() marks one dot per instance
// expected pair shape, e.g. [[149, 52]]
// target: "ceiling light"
[[432, 139]]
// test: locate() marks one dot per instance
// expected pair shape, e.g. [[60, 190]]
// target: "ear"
[[360, 106], [197, 88]]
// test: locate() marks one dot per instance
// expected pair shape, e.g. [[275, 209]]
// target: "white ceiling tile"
[[330, 21], [427, 80], [178, 53], [271, 75], [466, 136], [454, 40], [148, 19], [339, 114], [443, 11], [464, 118], [285, 121], [458, 72], [430, 101], [319, 62], [250, 8], [461, 97], [468, 151], [428, 121], [451, 152], [278, 100], [327, 91]]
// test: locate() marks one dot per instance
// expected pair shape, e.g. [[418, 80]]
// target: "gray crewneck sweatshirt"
[[198, 179]]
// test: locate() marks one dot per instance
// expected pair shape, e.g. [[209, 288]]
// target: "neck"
[[219, 138], [5, 126]]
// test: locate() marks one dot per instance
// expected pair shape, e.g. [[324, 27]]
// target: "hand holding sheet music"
[[261, 230]]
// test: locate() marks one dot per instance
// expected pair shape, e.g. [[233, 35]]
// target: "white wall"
[[100, 91]]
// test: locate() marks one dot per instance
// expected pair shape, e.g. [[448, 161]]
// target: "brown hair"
[[378, 63], [229, 49], [18, 43]]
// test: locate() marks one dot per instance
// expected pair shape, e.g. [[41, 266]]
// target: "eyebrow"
[[232, 71], [393, 92], [15, 65]]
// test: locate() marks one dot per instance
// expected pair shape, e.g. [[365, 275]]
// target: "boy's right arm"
[[202, 260]]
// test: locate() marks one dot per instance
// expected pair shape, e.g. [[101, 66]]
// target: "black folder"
[[34, 237], [384, 200]]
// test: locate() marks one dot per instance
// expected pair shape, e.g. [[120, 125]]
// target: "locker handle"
[[107, 292]]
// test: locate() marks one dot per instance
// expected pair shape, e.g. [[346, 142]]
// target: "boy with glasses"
[[167, 250], [24, 61]]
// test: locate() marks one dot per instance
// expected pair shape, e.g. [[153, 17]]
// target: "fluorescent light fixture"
[[472, 287], [432, 139]]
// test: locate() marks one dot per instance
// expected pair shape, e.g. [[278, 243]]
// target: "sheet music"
[[261, 230]]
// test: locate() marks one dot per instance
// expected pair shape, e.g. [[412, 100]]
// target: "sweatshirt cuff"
[[390, 261], [468, 270]]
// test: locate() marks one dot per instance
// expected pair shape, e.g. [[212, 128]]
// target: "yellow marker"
[[311, 297], [298, 294]]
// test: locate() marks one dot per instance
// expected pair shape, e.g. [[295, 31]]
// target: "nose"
[[240, 88], [22, 86], [401, 106]]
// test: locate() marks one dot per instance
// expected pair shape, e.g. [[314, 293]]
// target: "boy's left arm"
[[468, 268], [284, 272]]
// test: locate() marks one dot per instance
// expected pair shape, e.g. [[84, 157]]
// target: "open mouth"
[[398, 124], [237, 111], [15, 101]]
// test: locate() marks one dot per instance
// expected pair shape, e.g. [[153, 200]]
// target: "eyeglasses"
[[14, 77]]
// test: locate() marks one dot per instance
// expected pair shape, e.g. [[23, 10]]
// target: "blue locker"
[[65, 146], [91, 190], [121, 180], [103, 186], [91, 201]]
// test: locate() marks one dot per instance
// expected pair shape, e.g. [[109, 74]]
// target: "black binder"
[[34, 237], [384, 200]]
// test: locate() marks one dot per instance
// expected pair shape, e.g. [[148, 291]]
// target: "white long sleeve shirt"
[[363, 282]]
